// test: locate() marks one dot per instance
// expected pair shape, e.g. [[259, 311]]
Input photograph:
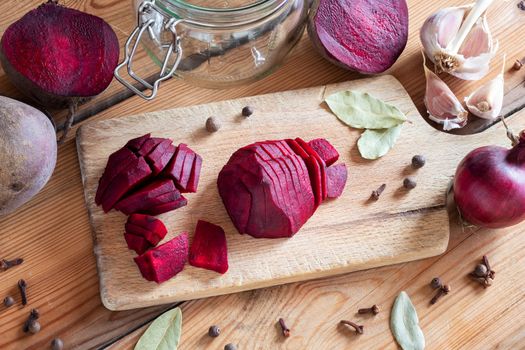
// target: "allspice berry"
[[9, 301], [230, 347], [247, 111], [212, 124], [34, 326], [409, 183], [418, 161], [480, 270], [214, 331], [57, 344]]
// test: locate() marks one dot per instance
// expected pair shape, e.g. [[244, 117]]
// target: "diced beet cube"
[[193, 184], [149, 145], [208, 249], [137, 243], [166, 207], [134, 174], [325, 150], [165, 261], [336, 180], [142, 197], [117, 162], [148, 227], [135, 144]]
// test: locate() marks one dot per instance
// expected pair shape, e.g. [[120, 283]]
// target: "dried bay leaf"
[[404, 324], [163, 333], [363, 111], [376, 143]]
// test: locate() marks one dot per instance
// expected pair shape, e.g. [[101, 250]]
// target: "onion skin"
[[489, 186]]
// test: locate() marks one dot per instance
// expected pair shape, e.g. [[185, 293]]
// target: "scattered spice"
[[34, 315], [230, 347], [444, 290], [409, 183], [214, 331], [483, 273], [480, 270], [521, 5], [9, 301], [22, 286], [247, 111], [34, 327], [7, 264], [369, 310], [517, 65], [285, 330], [377, 193], [418, 161], [57, 344], [212, 124], [436, 283], [358, 328]]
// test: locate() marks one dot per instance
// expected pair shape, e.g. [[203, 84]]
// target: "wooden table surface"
[[53, 235]]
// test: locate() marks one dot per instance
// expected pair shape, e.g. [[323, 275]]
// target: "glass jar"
[[213, 43]]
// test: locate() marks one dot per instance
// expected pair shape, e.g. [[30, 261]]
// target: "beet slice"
[[185, 174], [361, 35], [193, 183], [166, 207], [336, 180], [136, 143], [165, 261], [149, 145], [325, 150], [133, 175], [143, 197], [320, 162], [161, 156], [117, 162], [58, 56], [314, 169], [146, 226], [208, 249], [137, 243]]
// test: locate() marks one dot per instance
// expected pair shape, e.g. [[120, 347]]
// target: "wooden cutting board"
[[347, 234]]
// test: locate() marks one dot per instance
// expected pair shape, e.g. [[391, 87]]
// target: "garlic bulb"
[[442, 105], [486, 101], [458, 40]]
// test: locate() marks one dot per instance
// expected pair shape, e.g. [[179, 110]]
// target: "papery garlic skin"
[[458, 40], [442, 105], [486, 101]]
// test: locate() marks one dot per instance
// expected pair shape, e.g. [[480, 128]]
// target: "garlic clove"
[[478, 41], [442, 105], [440, 29], [486, 101]]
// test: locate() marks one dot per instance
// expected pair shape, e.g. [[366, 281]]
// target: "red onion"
[[489, 186]]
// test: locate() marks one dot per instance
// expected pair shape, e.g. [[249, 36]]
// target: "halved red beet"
[[361, 35], [134, 174], [166, 207], [325, 150], [336, 177], [193, 184], [165, 261], [144, 197], [117, 162], [136, 143], [137, 243], [208, 249], [146, 226], [58, 56]]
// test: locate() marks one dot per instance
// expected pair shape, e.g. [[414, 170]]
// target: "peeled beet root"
[[165, 261], [336, 176], [208, 249], [361, 35], [137, 243], [58, 56], [325, 150], [150, 228]]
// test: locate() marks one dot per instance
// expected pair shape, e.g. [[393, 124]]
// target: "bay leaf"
[[404, 324], [376, 143], [361, 110], [163, 333]]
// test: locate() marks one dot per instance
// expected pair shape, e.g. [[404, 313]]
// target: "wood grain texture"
[[344, 235]]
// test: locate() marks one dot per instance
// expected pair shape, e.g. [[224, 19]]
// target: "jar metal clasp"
[[174, 49]]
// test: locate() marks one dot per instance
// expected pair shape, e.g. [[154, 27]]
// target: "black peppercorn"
[[57, 344], [418, 161], [247, 111], [34, 326], [409, 183], [480, 270], [436, 283], [230, 347], [214, 331], [9, 301]]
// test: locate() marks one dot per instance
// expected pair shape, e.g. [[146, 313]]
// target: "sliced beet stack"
[[208, 249], [165, 261], [184, 168], [144, 232]]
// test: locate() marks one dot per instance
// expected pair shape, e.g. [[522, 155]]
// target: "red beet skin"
[[165, 261], [208, 249], [361, 35], [61, 51]]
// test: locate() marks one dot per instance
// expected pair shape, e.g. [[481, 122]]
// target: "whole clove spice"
[[9, 301], [285, 330], [374, 309], [7, 264], [34, 315], [358, 329], [377, 193], [483, 274], [22, 286], [444, 290]]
